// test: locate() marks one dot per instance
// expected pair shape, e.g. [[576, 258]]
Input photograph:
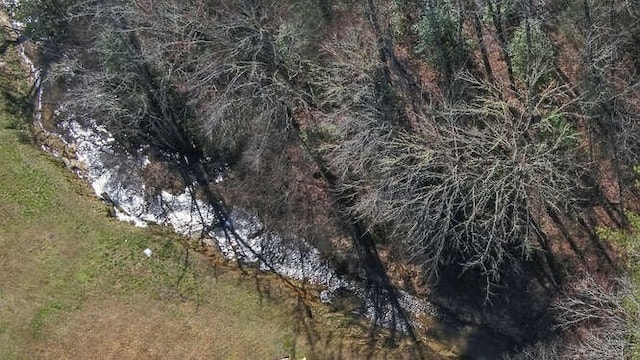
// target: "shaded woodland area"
[[482, 146]]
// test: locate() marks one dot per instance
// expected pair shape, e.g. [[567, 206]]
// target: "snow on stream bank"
[[117, 179]]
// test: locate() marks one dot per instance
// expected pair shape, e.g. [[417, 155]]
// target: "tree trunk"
[[494, 9]]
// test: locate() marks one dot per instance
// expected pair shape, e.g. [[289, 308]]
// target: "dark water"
[[517, 314]]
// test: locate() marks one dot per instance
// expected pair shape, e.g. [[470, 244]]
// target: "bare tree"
[[604, 317], [596, 318], [239, 69], [469, 185]]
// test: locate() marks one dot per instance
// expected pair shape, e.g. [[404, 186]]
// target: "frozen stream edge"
[[116, 178]]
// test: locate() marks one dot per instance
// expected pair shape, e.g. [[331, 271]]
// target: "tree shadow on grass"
[[351, 325], [338, 330]]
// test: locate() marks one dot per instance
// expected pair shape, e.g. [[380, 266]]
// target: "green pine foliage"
[[531, 51]]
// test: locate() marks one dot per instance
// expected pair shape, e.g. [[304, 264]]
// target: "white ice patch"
[[116, 178], [293, 258], [130, 219]]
